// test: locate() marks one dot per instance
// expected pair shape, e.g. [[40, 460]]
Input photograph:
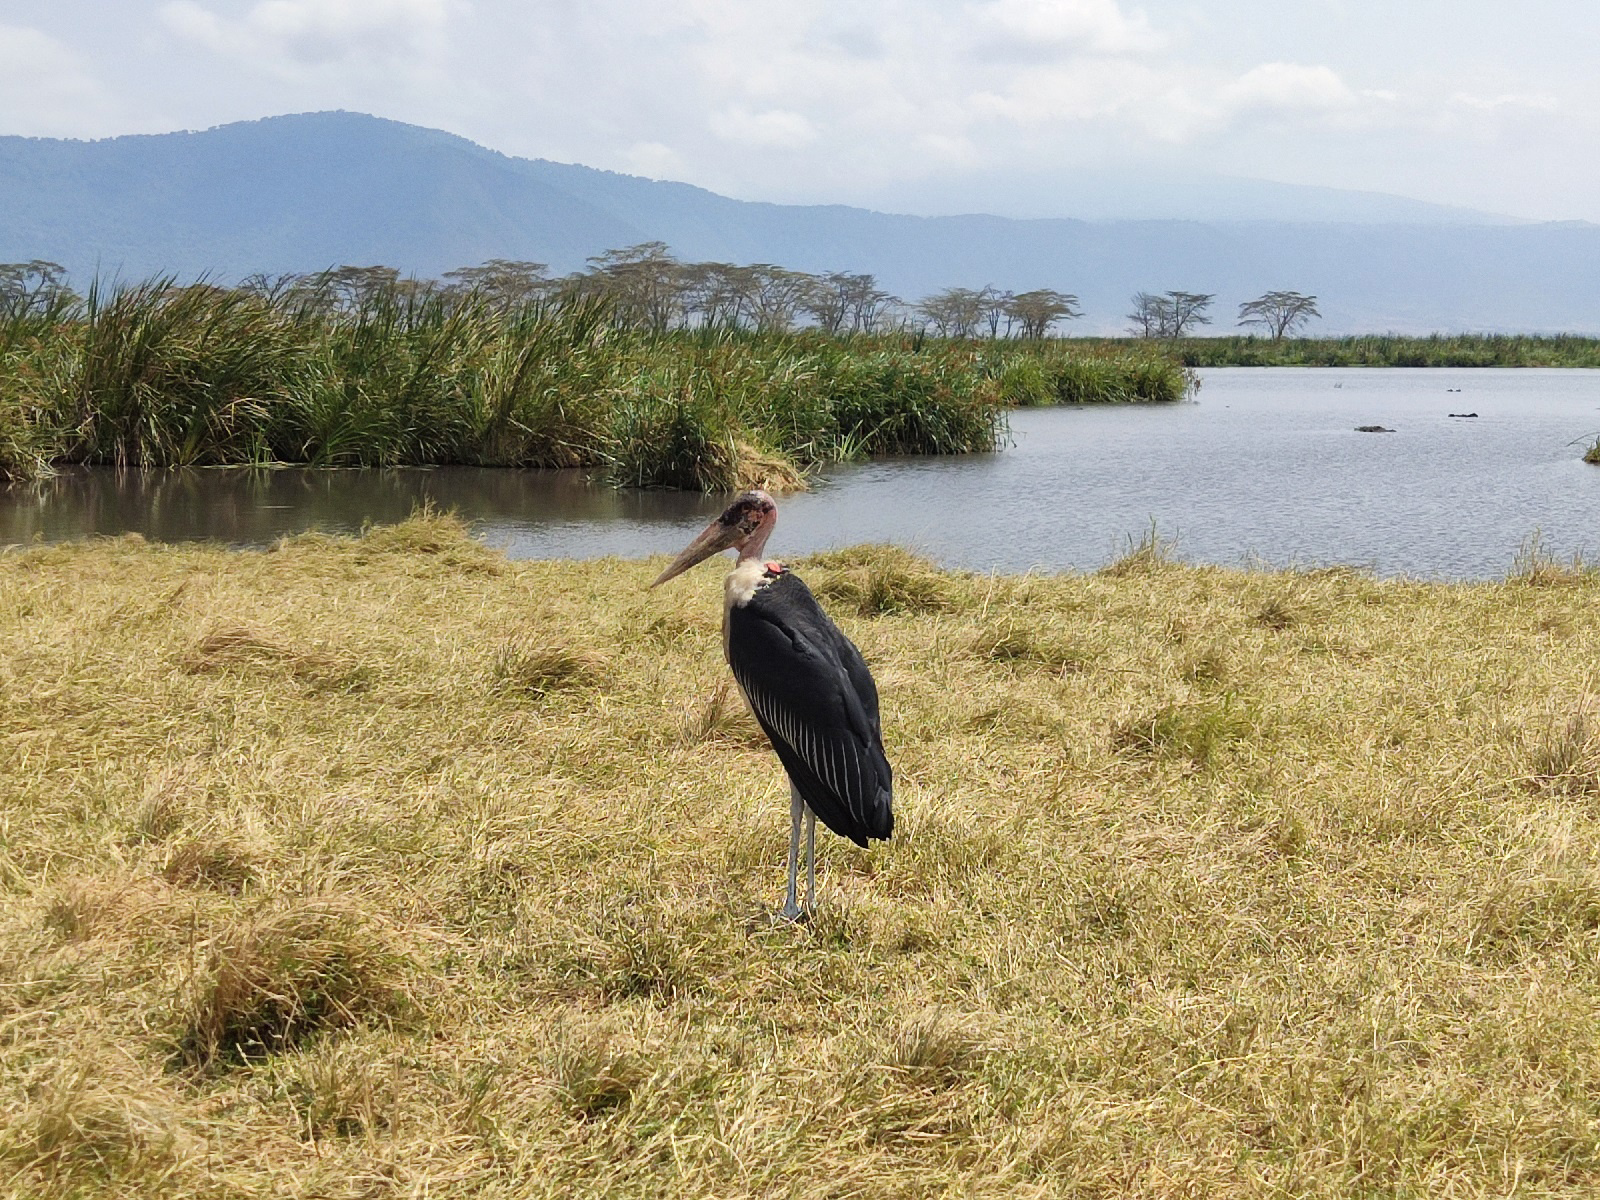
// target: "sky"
[[926, 106]]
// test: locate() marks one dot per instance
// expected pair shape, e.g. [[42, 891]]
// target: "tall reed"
[[158, 375]]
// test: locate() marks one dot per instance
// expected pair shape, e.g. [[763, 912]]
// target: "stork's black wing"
[[813, 695]]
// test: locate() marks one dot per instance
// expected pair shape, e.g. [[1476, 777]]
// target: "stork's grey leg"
[[792, 911], [811, 861]]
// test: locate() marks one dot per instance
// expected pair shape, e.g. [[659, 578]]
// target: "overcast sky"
[[897, 103]]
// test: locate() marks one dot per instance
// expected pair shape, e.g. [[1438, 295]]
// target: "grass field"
[[386, 867]]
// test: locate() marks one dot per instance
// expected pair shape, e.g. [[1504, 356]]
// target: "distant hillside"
[[301, 193], [1155, 195]]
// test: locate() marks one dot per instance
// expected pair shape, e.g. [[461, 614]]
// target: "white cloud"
[[1088, 90], [655, 160], [315, 32], [1031, 27], [45, 87], [1164, 100], [1287, 86], [945, 150], [1530, 103], [771, 128]]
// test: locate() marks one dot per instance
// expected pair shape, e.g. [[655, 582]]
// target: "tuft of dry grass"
[[202, 862], [1194, 732], [1181, 901], [592, 1069], [275, 979], [236, 648], [535, 668], [1151, 553], [1567, 757], [1019, 642], [758, 468], [83, 1122], [874, 580], [723, 716], [1537, 567], [1278, 612], [934, 1050]]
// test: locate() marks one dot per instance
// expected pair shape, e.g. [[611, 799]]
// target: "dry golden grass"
[[383, 866]]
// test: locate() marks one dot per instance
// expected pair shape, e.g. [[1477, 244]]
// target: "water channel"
[[1265, 466]]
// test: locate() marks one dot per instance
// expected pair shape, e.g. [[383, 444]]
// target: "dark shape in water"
[[1463, 414], [1373, 429]]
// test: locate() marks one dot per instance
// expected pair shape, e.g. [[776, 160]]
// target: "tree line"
[[649, 288], [1179, 314]]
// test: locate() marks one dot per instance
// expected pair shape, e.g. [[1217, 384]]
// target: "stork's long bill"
[[743, 526]]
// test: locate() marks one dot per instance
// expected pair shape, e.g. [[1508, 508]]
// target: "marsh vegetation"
[[383, 866], [1392, 350], [379, 374]]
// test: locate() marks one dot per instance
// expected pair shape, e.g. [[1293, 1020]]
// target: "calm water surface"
[[1265, 466]]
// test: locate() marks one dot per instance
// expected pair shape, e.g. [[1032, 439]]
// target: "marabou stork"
[[807, 684]]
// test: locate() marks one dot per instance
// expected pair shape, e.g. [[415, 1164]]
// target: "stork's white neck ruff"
[[743, 581], [738, 587]]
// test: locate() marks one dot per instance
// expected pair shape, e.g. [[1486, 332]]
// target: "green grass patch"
[[1392, 350]]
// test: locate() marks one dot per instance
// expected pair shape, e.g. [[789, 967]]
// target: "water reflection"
[[1266, 466], [251, 507]]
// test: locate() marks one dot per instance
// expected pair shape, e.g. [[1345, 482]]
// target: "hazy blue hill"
[[301, 193], [294, 193], [1157, 195]]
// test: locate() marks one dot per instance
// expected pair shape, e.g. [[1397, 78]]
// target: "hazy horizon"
[[1128, 195], [306, 193], [998, 106]]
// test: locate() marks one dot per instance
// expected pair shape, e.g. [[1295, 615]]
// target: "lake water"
[[1265, 466]]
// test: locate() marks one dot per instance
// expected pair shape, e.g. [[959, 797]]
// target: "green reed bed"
[[1437, 350], [1111, 375], [156, 376]]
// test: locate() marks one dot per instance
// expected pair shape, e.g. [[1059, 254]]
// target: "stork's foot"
[[793, 914]]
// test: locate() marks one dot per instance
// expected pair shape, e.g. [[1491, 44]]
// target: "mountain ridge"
[[309, 191]]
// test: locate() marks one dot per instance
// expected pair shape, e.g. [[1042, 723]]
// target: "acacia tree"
[[826, 301], [502, 280], [645, 282], [1034, 312], [1151, 315], [870, 306], [955, 312], [274, 288], [712, 293], [840, 302], [994, 308], [1189, 309], [36, 286], [773, 295], [1279, 313], [1170, 315], [344, 289]]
